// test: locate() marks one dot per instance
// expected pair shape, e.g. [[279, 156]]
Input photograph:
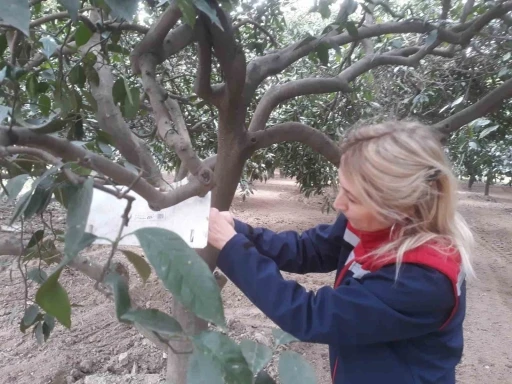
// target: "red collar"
[[426, 254]]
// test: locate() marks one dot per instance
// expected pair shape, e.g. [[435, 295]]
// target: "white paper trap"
[[189, 219]]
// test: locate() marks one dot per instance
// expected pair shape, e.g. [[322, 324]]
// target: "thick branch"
[[66, 150], [202, 85], [153, 41], [488, 104], [276, 95], [111, 120], [230, 56], [301, 133], [280, 93], [170, 122], [60, 16], [446, 5], [273, 63]]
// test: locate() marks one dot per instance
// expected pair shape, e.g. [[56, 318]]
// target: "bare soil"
[[98, 344]]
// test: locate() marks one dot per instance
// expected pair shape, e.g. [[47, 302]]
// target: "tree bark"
[[488, 182], [471, 181], [111, 120]]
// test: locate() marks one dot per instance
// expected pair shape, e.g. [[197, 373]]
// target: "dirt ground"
[[98, 343]]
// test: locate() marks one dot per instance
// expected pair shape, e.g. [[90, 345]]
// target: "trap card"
[[189, 219]]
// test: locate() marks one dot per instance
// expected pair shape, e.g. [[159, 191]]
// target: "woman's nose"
[[340, 203]]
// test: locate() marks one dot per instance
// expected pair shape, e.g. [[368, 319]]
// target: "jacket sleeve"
[[374, 309], [315, 250]]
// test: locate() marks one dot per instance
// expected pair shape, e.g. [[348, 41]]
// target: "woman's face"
[[361, 217]]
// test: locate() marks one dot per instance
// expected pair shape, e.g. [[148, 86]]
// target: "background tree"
[[226, 90]]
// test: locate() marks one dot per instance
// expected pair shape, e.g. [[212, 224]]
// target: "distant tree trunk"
[[488, 182], [471, 181]]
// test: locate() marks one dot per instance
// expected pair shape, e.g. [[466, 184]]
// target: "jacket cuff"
[[229, 254], [241, 227]]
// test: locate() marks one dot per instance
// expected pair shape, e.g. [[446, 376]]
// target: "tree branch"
[[153, 41], [277, 94], [202, 85], [66, 150], [273, 63], [171, 124], [340, 83], [446, 5], [111, 120], [302, 133], [230, 56], [488, 104]]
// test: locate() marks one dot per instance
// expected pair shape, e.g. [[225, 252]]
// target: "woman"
[[401, 252]]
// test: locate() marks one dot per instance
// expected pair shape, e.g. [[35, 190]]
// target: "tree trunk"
[[488, 182], [471, 181], [228, 171]]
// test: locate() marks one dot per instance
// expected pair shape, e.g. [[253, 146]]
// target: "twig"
[[123, 195], [23, 276], [124, 223]]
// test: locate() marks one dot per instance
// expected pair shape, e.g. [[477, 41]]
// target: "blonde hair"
[[400, 170]]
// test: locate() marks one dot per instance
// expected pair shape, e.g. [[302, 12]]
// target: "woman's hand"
[[220, 228]]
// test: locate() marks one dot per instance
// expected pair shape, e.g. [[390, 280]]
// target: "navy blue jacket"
[[378, 329]]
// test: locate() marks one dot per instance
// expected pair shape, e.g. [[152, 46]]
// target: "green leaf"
[[77, 76], [282, 338], [154, 320], [131, 103], [294, 369], [458, 101], [40, 198], [32, 86], [14, 186], [257, 355], [48, 327], [37, 275], [142, 267], [49, 45], [322, 51], [503, 72], [183, 273], [25, 199], [16, 14], [36, 238], [486, 131], [264, 378], [228, 355], [431, 37], [45, 105], [189, 12], [72, 6], [121, 294], [30, 316], [119, 91], [53, 298], [82, 34], [123, 8], [79, 206], [128, 92], [204, 369], [207, 9], [38, 332], [352, 29]]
